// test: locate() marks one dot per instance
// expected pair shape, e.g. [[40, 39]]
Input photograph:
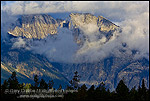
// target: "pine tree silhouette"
[[143, 91], [82, 92], [133, 94], [13, 81], [36, 82], [91, 92], [76, 79], [10, 84], [43, 84], [50, 84], [122, 90], [5, 85], [100, 93]]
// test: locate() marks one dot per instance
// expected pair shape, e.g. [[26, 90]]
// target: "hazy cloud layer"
[[59, 48], [132, 17], [113, 10]]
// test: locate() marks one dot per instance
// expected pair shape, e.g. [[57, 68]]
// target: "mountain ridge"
[[109, 70], [39, 26], [35, 26], [26, 65]]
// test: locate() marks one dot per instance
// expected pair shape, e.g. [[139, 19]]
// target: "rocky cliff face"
[[27, 65], [40, 26], [104, 25], [82, 23], [109, 70], [78, 19], [35, 26]]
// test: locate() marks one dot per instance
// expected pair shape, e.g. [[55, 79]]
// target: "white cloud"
[[133, 17], [59, 49], [109, 9], [19, 43], [136, 33], [6, 20]]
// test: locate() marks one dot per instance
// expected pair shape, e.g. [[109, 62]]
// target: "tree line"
[[122, 92]]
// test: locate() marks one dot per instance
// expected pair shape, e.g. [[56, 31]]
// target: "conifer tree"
[[82, 92], [76, 79], [122, 90], [13, 81], [133, 94], [43, 84], [36, 82], [100, 91], [91, 92], [143, 90], [50, 84], [5, 85]]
